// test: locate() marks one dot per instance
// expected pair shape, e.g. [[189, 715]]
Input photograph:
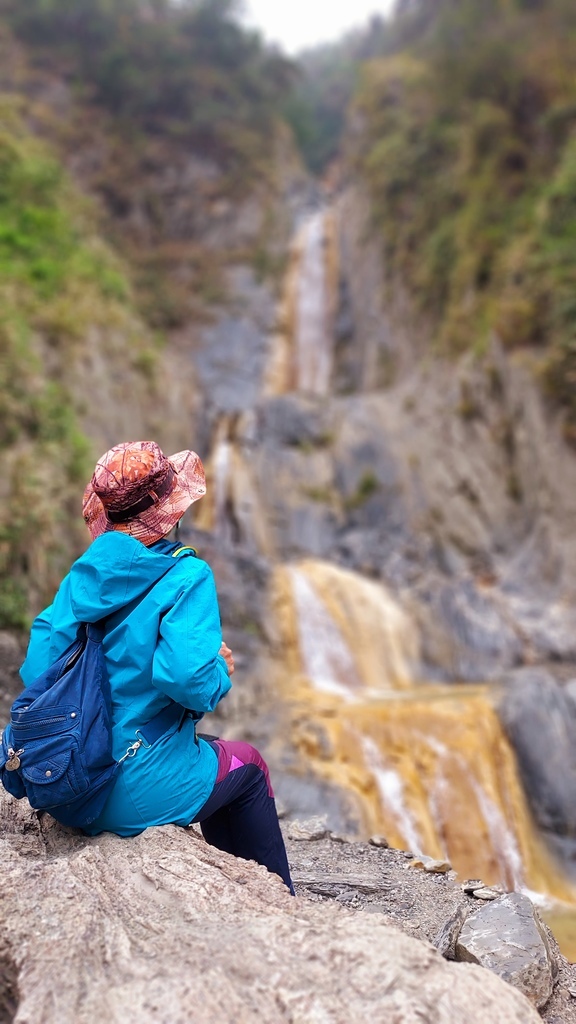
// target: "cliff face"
[[482, 495], [129, 265], [398, 521]]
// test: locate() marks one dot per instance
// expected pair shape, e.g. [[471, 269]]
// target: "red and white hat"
[[136, 489]]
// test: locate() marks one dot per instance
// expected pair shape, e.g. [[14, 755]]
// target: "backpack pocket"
[[53, 772]]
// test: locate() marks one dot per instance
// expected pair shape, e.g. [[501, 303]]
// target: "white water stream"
[[222, 459], [326, 657], [312, 334], [391, 789]]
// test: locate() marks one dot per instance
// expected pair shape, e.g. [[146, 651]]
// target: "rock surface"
[[431, 907], [540, 720], [507, 936], [164, 927], [162, 921]]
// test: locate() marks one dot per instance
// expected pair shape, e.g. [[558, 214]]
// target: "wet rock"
[[293, 472], [230, 353], [508, 937], [295, 420], [570, 691], [549, 624], [466, 630], [540, 721]]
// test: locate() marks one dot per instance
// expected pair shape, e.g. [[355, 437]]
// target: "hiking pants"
[[240, 815]]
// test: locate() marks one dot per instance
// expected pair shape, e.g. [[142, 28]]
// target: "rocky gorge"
[[392, 537], [406, 671]]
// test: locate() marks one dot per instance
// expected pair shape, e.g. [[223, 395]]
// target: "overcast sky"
[[296, 24]]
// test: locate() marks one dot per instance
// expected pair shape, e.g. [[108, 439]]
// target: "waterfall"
[[429, 764], [392, 793], [504, 842], [301, 349], [352, 634], [326, 657], [221, 463], [313, 341]]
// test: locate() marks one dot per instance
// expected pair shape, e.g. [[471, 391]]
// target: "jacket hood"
[[114, 571]]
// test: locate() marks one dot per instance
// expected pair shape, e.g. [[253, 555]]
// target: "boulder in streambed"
[[507, 936]]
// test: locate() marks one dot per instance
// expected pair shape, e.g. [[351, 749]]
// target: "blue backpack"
[[57, 747]]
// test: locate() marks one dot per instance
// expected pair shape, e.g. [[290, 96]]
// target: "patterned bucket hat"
[[136, 489]]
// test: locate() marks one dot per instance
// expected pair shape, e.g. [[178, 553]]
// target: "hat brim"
[[154, 523]]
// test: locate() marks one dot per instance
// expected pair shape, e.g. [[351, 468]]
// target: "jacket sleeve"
[[187, 666], [38, 654], [52, 632]]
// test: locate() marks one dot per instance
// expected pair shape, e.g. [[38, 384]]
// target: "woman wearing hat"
[[163, 643]]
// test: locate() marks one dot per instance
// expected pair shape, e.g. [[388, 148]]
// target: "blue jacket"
[[162, 642]]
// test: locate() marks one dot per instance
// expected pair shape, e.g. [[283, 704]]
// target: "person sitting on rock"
[[162, 643]]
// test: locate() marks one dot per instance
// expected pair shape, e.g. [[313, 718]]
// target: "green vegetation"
[[159, 98], [186, 71], [57, 282], [368, 485], [326, 79], [467, 145], [161, 92]]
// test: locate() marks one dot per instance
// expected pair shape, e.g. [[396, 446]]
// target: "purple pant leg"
[[240, 815]]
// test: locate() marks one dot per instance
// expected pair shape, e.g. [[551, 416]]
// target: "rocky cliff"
[[378, 519], [130, 262]]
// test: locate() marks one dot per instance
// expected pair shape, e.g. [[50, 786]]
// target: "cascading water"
[[216, 513], [352, 636], [429, 764], [221, 462], [302, 351], [391, 791], [326, 657], [312, 334]]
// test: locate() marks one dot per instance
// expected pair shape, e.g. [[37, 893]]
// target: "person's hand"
[[228, 657]]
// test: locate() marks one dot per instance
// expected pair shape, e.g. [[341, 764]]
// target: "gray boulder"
[[540, 721], [508, 937]]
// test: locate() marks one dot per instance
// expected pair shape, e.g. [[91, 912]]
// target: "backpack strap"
[[95, 630], [160, 724]]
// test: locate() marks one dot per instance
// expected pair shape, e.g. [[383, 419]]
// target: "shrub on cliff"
[[466, 143], [58, 285], [187, 70]]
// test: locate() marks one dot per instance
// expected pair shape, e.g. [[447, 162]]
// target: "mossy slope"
[[467, 144], [61, 291]]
